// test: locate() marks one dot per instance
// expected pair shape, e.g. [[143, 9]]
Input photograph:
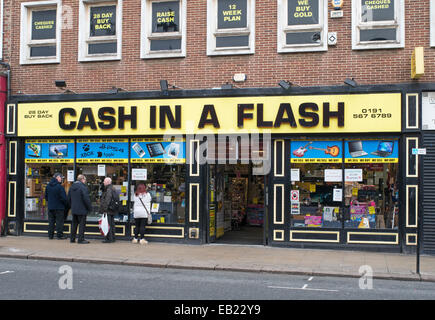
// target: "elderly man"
[[109, 204]]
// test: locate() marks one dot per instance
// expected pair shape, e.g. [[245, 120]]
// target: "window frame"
[[84, 31], [213, 32], [398, 23], [146, 34], [284, 28], [26, 43]]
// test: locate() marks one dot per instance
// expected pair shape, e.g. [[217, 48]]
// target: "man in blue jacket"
[[57, 204], [78, 198]]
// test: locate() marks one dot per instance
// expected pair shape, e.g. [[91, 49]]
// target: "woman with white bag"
[[141, 213]]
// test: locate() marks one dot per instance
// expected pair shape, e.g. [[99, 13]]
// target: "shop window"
[[40, 32], [378, 24], [303, 25], [44, 158], [100, 30], [371, 184], [163, 29], [100, 158], [316, 184], [160, 165], [230, 27]]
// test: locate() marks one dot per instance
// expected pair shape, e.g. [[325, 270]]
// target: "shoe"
[[72, 240], [107, 241], [62, 238], [143, 241], [83, 241], [134, 240]]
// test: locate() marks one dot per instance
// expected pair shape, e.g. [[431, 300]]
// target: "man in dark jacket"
[[109, 196], [80, 203], [57, 204]]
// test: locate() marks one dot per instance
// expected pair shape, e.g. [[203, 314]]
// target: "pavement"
[[244, 258]]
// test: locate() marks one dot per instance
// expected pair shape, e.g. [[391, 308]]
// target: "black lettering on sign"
[[102, 116], [260, 118], [122, 117], [62, 114], [206, 111], [313, 115], [166, 113], [87, 119], [241, 115], [339, 114], [290, 119]]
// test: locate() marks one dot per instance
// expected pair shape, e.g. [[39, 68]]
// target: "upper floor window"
[[100, 30], [40, 32], [303, 25], [378, 24], [230, 27], [163, 31]]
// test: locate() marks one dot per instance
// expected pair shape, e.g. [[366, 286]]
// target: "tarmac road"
[[25, 279]]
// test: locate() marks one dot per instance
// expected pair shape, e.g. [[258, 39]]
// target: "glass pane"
[[377, 10], [47, 51], [303, 12], [378, 34], [106, 47], [235, 41], [165, 16], [44, 25], [166, 185], [103, 21], [172, 44], [38, 175], [95, 174], [303, 37], [232, 14]]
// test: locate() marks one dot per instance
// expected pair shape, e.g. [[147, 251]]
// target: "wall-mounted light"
[[61, 84], [350, 82], [285, 84], [164, 85]]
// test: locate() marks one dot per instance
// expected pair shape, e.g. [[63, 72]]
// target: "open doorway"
[[236, 201]]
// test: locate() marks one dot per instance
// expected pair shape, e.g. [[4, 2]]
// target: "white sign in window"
[[353, 175], [333, 175]]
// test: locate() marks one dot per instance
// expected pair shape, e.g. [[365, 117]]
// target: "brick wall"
[[265, 68]]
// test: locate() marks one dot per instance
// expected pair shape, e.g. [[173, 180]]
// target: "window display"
[[44, 158]]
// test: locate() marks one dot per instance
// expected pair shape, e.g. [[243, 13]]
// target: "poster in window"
[[102, 150], [302, 12], [49, 151], [102, 21], [44, 25], [232, 14], [166, 16], [371, 151], [316, 151], [379, 10], [157, 151]]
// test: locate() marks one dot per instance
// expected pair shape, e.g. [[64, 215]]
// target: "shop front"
[[300, 170]]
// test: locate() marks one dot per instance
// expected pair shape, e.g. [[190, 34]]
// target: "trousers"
[[140, 224], [80, 221], [55, 220], [111, 234]]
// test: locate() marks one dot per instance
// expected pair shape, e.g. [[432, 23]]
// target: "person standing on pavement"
[[80, 203], [141, 211], [57, 205], [109, 197]]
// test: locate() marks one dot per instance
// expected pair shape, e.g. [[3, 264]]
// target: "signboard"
[[158, 151], [417, 63], [49, 151], [369, 151], [353, 175], [165, 16], [419, 151], [139, 174], [316, 151], [303, 12], [103, 21], [102, 150], [333, 175], [379, 10], [232, 14], [275, 114], [43, 25]]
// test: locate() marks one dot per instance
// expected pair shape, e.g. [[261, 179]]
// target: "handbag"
[[150, 217], [103, 224]]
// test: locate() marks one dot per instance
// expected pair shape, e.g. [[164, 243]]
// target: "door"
[[211, 203]]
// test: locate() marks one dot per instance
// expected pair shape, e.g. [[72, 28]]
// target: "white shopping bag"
[[103, 224]]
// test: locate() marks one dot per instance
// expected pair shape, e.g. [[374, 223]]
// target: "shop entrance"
[[236, 204]]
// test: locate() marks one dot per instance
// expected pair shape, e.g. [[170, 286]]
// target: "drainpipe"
[[4, 88]]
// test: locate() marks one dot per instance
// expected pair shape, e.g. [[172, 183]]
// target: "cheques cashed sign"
[[280, 114]]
